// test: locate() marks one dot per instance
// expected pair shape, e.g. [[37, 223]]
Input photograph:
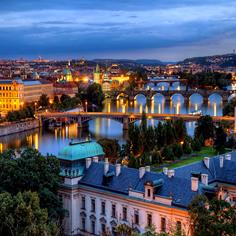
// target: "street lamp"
[[86, 106], [35, 106]]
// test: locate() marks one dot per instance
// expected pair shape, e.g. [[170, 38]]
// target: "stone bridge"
[[125, 118], [168, 94]]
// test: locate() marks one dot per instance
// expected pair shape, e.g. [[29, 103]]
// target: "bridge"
[[168, 94], [125, 118]]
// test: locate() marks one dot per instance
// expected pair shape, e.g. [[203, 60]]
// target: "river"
[[51, 141]]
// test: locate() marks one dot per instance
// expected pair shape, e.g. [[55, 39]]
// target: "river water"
[[51, 141]]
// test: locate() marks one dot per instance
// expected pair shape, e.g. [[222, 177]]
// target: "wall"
[[15, 127]]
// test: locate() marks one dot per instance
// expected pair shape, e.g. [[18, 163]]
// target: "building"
[[70, 89], [15, 93], [97, 75], [100, 196], [11, 95], [33, 89]]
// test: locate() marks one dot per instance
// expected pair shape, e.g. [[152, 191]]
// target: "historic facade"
[[99, 196]]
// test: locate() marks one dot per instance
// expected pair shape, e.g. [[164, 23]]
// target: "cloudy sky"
[[169, 30]]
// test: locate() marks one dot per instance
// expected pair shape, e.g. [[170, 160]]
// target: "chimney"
[[88, 162], [141, 172], [118, 169], [221, 161], [147, 168], [228, 156], [165, 170], [194, 184], [207, 162], [204, 179], [171, 173], [106, 166], [95, 159]]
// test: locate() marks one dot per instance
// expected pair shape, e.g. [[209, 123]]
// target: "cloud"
[[95, 27]]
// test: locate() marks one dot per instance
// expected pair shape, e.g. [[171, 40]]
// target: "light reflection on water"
[[52, 141]]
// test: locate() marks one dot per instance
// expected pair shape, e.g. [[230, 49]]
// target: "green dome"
[[66, 72], [80, 150]]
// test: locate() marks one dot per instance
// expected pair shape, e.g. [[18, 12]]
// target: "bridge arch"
[[140, 94], [214, 96], [156, 95], [194, 95], [179, 96], [121, 95]]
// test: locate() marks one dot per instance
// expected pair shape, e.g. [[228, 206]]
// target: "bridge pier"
[[79, 122], [125, 123]]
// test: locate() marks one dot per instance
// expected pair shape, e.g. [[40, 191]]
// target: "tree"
[[125, 230], [212, 217], [44, 100], [177, 150], [228, 109], [204, 128], [111, 148], [180, 129], [95, 94], [22, 215], [220, 139], [33, 172], [168, 154]]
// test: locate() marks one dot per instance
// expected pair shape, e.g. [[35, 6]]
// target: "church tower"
[[97, 75]]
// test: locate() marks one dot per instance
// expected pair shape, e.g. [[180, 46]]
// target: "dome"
[[80, 150], [66, 72]]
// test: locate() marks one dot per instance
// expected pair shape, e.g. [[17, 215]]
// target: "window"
[[103, 208], [149, 192], [125, 213], [163, 224], [113, 211], [83, 202], [136, 217], [83, 223], [178, 226], [149, 219], [103, 228], [93, 227], [93, 205]]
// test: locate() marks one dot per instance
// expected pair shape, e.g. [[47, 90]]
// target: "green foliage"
[[180, 129], [231, 143], [205, 80], [156, 157], [212, 217], [167, 153], [111, 147], [228, 109], [44, 100], [177, 150], [21, 215], [27, 112], [220, 139], [204, 128], [133, 162], [95, 94], [196, 145], [32, 172]]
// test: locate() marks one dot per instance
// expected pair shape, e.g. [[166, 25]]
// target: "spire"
[[97, 69]]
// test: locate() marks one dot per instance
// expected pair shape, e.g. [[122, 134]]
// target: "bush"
[[177, 150], [167, 153], [196, 145]]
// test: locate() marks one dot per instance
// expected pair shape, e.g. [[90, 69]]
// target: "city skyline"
[[100, 29]]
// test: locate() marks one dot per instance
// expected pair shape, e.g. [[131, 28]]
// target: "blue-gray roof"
[[81, 150], [177, 187]]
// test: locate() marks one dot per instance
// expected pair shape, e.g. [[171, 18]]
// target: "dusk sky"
[[168, 30]]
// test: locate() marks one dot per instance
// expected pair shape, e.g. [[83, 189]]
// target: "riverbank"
[[7, 128]]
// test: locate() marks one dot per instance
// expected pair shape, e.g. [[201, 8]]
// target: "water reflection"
[[51, 141]]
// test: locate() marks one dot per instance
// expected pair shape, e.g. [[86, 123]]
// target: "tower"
[[97, 75]]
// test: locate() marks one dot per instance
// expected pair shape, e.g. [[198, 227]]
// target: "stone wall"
[[16, 127]]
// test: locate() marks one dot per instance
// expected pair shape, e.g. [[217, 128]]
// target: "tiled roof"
[[177, 187]]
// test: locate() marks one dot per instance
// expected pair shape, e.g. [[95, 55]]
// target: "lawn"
[[194, 157]]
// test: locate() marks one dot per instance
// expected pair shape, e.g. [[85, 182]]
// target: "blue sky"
[[169, 30]]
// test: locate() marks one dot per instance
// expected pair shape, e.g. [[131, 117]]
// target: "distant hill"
[[226, 60], [137, 62]]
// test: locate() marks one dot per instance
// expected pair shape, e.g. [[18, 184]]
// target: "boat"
[[196, 113]]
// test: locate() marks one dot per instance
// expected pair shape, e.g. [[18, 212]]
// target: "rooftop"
[[80, 150]]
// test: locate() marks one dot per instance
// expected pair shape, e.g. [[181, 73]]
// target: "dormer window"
[[148, 190]]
